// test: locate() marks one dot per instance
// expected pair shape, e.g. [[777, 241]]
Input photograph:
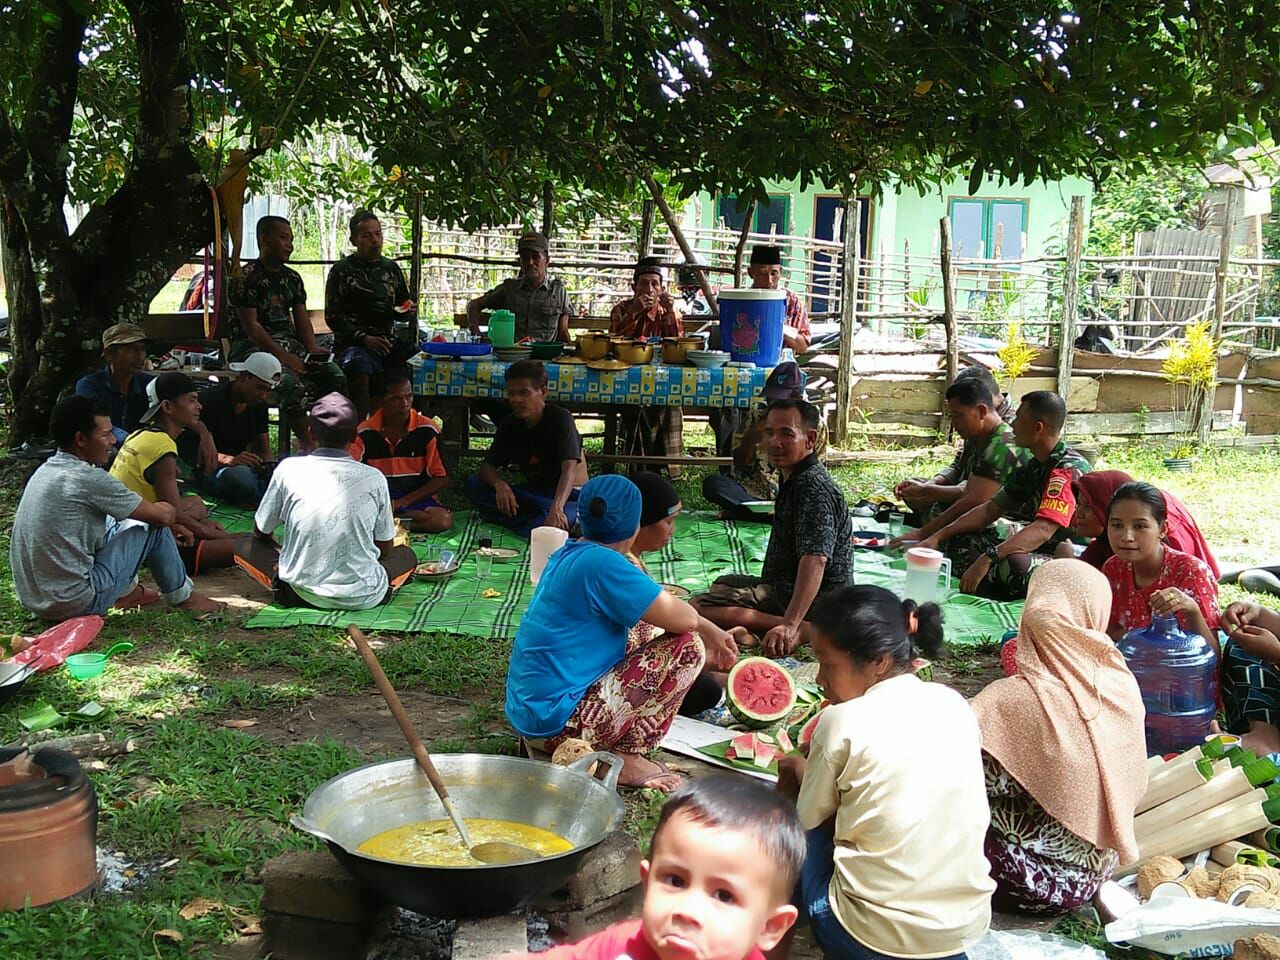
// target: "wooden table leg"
[[610, 441]]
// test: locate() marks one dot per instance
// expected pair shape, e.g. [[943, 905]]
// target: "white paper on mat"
[[687, 735]]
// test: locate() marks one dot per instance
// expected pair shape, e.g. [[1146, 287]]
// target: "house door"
[[825, 265]]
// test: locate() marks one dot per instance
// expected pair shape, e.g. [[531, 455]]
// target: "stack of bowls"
[[512, 354], [707, 359]]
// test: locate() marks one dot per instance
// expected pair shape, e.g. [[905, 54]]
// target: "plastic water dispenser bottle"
[[1177, 672]]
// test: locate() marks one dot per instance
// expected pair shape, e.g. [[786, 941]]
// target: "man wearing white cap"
[[235, 412]]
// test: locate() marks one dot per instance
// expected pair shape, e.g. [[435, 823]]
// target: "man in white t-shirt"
[[337, 552]]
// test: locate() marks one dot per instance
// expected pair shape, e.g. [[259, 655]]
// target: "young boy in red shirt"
[[722, 866]]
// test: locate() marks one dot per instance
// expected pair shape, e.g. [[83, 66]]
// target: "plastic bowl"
[[547, 349], [86, 666]]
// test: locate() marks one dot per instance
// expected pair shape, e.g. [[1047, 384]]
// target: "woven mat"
[[702, 549]]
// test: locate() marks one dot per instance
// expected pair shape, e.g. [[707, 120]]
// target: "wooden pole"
[[415, 265], [1205, 424], [646, 228], [678, 235], [848, 317], [1070, 296], [742, 243], [949, 301], [548, 208]]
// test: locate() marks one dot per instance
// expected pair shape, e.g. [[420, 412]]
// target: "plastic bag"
[[60, 641], [1197, 928], [1028, 945]]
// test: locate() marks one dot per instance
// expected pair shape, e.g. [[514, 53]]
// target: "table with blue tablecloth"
[[452, 385]]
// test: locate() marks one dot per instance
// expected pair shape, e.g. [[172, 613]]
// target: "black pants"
[[729, 495]]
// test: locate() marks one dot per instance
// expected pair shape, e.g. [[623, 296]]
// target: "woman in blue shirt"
[[573, 673]]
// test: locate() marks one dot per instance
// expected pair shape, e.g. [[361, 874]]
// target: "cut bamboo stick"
[[1226, 785], [1177, 779], [1268, 839], [1254, 811], [1154, 764], [1233, 851]]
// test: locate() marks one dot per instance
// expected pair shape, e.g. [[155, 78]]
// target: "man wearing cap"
[[543, 441], [754, 477], [235, 412], [810, 550], [404, 445], [649, 431], [540, 302], [80, 536], [121, 385], [270, 302], [148, 465], [765, 271], [364, 299], [338, 550]]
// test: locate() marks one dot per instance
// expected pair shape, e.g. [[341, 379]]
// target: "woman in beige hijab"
[[1063, 747]]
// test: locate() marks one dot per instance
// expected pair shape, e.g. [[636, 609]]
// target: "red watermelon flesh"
[[759, 692], [765, 756], [784, 742], [742, 747], [805, 736]]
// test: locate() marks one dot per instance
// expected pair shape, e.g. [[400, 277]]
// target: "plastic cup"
[[484, 565], [896, 522], [196, 360]]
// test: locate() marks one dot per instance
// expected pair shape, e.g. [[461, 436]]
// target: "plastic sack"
[[1197, 928], [1028, 945], [60, 641]]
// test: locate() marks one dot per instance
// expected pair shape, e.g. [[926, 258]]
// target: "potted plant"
[[1190, 369]]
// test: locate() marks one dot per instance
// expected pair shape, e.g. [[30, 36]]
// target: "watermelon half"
[[759, 692]]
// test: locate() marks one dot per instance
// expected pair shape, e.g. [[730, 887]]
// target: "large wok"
[[356, 805]]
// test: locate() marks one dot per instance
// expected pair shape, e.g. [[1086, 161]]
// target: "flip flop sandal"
[[663, 771], [254, 574]]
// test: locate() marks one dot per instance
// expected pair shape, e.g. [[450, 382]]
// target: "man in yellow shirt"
[[148, 465]]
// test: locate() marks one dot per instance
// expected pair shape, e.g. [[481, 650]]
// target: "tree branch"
[[48, 112]]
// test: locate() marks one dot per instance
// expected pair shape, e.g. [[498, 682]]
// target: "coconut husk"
[[1200, 884], [1262, 947], [571, 750], [1156, 871], [1263, 901], [1236, 883]]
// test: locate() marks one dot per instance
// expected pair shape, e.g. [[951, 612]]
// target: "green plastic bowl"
[[86, 666], [547, 349]]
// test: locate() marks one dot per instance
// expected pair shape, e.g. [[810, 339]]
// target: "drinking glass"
[[896, 522], [484, 565], [196, 359]]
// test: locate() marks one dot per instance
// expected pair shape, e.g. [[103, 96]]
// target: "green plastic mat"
[[702, 549]]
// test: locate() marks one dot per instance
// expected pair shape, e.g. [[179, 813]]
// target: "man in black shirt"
[[541, 440], [235, 412], [810, 549]]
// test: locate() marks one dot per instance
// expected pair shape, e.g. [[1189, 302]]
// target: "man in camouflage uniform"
[[365, 298], [1042, 488], [988, 460], [271, 309]]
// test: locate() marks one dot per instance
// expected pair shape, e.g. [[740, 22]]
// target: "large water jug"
[[543, 542], [1177, 672], [925, 568]]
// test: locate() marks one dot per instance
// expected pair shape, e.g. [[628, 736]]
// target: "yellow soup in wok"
[[435, 843]]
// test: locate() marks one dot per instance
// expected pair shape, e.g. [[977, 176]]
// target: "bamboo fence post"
[[848, 317], [646, 229], [1219, 312], [678, 235], [548, 208], [1070, 296], [949, 301], [742, 242], [415, 265]]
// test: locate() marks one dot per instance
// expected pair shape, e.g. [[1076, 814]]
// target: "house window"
[[978, 225], [774, 215]]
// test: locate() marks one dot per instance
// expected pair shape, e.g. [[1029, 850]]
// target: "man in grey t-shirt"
[[540, 302], [80, 536]]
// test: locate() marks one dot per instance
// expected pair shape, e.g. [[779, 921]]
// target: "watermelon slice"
[[743, 747], [805, 736], [784, 742], [765, 758], [759, 692]]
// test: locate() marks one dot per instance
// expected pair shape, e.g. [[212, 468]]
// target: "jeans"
[[729, 495], [533, 506], [239, 485], [813, 896], [127, 546]]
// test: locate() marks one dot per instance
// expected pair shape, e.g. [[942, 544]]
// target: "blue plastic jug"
[[1177, 672]]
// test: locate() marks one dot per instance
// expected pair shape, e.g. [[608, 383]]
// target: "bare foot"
[[643, 773], [139, 596], [200, 606]]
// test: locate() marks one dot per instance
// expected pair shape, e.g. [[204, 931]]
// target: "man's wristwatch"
[[992, 552]]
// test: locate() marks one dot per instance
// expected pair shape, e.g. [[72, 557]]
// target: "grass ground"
[[204, 801]]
